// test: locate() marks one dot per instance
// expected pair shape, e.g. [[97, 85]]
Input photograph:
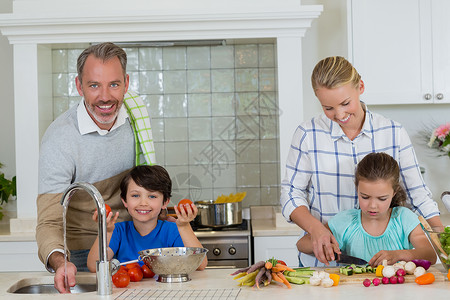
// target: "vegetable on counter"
[[263, 273], [426, 278], [422, 263]]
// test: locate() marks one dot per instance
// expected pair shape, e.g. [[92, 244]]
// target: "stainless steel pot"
[[211, 214]]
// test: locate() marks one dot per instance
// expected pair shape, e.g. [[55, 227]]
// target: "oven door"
[[227, 252]]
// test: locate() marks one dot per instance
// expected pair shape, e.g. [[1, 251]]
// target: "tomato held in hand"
[[182, 203], [107, 208], [148, 273], [121, 279], [135, 274]]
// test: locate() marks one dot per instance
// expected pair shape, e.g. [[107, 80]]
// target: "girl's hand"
[[110, 220], [391, 256], [186, 215]]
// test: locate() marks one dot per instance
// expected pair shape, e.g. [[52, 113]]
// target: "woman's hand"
[[324, 244], [186, 215], [110, 220]]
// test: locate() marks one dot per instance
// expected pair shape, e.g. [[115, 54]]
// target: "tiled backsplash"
[[214, 114]]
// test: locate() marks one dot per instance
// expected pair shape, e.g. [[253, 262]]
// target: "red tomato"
[[135, 274], [121, 279], [133, 265], [281, 262], [182, 203], [148, 273], [122, 269], [107, 208]]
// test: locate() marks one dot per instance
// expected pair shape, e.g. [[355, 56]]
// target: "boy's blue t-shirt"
[[347, 228], [126, 242]]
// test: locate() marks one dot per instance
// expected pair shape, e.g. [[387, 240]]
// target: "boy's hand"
[[111, 219], [186, 215]]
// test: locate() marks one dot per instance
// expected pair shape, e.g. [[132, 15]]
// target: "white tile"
[[198, 57], [223, 104], [269, 174], [60, 85], [268, 127], [175, 105], [246, 56], [72, 85], [59, 61], [158, 129], [247, 128], [175, 129], [224, 128], [200, 153], [199, 81], [247, 104], [151, 82], [150, 58], [270, 196], [199, 105], [248, 153], [72, 57], [246, 80], [222, 80], [253, 196], [248, 175], [224, 176], [132, 59], [269, 151], [74, 101], [199, 129], [266, 56], [176, 153], [222, 57], [174, 81], [159, 152], [174, 58], [154, 104], [60, 105], [267, 80], [224, 152], [201, 178], [268, 104], [134, 81]]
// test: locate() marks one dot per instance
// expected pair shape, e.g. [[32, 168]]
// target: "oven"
[[229, 246]]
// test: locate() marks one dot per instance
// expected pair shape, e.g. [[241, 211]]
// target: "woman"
[[319, 179]]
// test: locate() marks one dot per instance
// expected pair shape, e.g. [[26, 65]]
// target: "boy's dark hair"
[[151, 178], [376, 166]]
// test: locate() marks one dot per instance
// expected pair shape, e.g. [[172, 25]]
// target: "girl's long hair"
[[376, 166]]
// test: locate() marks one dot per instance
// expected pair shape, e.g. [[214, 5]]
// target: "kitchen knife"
[[348, 259]]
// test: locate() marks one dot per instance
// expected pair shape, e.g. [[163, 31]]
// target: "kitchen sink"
[[44, 285]]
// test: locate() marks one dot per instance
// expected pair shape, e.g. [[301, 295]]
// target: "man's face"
[[103, 87]]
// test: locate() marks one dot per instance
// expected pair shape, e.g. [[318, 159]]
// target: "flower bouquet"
[[440, 139]]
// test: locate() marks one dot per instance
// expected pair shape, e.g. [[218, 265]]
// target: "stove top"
[[237, 227], [228, 231]]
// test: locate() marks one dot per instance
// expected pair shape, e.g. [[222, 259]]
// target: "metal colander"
[[173, 264]]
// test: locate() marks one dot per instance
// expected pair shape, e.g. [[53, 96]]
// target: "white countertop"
[[220, 279]]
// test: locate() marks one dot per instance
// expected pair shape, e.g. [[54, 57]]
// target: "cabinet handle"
[[427, 96], [440, 96]]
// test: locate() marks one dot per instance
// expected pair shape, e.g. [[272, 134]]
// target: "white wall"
[[7, 148], [328, 37]]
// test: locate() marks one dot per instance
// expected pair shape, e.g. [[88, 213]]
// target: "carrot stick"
[[284, 280]]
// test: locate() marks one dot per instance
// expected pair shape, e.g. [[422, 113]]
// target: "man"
[[93, 142]]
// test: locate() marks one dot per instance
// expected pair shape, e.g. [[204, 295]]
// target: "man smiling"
[[97, 141]]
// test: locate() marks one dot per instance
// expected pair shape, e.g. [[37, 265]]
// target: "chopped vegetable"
[[427, 278], [379, 271], [335, 278], [419, 271], [327, 282], [422, 263], [315, 281]]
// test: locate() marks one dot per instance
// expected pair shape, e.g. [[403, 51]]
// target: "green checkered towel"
[[140, 121]]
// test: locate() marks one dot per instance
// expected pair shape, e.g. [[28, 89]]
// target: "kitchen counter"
[[215, 279]]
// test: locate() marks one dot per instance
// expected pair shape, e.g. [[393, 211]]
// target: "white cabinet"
[[401, 48], [19, 256], [280, 247]]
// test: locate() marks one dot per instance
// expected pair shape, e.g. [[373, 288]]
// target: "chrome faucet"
[[104, 283]]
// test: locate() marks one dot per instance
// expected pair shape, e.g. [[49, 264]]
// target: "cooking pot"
[[212, 214]]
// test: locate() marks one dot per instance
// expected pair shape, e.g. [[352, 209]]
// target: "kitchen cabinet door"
[[279, 247], [401, 49]]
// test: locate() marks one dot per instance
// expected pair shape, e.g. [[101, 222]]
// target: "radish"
[[401, 272], [385, 280], [376, 281], [393, 280], [367, 282], [400, 279]]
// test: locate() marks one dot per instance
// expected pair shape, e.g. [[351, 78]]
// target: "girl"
[[145, 191], [382, 229], [324, 152]]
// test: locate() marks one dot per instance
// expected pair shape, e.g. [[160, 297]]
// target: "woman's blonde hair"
[[333, 72]]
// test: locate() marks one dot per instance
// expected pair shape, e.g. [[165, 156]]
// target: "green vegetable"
[[295, 280]]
